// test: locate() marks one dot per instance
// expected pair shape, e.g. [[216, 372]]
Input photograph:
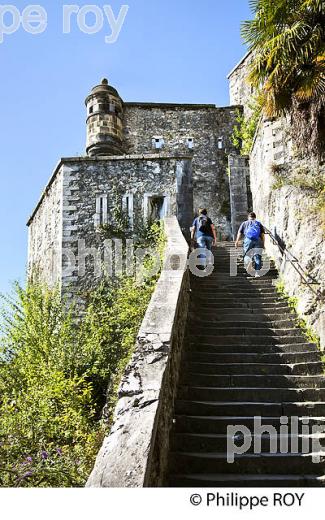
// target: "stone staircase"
[[245, 357]]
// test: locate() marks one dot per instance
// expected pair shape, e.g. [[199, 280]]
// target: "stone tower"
[[150, 160], [104, 121]]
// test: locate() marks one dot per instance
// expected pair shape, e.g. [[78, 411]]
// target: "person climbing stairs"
[[245, 357]]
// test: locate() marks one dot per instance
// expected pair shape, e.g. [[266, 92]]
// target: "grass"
[[301, 323]]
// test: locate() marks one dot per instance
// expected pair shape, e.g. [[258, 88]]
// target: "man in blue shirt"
[[254, 238]]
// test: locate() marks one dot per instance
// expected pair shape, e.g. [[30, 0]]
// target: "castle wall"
[[289, 212], [89, 191], [238, 177], [176, 152], [209, 126], [239, 89], [45, 235]]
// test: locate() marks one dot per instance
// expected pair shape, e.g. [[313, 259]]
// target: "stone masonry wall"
[[45, 235], [289, 213], [239, 89], [83, 181], [209, 127], [135, 453], [238, 174]]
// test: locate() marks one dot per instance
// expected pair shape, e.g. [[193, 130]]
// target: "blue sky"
[[167, 51]]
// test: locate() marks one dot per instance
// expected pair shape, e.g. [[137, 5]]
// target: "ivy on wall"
[[246, 126]]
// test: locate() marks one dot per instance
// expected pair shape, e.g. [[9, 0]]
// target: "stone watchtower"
[[104, 121]]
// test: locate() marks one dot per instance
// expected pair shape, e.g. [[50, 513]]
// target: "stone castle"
[[161, 159]]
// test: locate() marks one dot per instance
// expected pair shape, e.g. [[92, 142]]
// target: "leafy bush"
[[245, 129], [57, 374]]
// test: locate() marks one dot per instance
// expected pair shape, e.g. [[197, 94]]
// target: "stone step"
[[229, 265], [240, 309], [244, 296], [225, 261], [251, 357], [255, 303], [226, 266], [226, 258], [230, 275], [241, 291], [223, 408], [236, 291], [258, 394], [219, 424], [220, 480], [282, 327], [193, 462], [256, 306], [212, 442], [232, 272], [240, 279], [257, 285], [239, 316], [243, 320], [312, 368], [241, 347], [249, 329], [248, 339], [245, 358], [249, 380]]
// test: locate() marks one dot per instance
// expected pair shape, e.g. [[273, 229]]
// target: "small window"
[[91, 110], [101, 210], [128, 207], [158, 143], [220, 143], [156, 207], [190, 143]]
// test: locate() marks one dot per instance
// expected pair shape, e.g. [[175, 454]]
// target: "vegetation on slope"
[[56, 376]]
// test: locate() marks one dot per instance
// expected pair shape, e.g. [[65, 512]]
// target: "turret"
[[104, 121]]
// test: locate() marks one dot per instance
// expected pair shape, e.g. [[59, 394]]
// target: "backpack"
[[253, 230], [203, 224]]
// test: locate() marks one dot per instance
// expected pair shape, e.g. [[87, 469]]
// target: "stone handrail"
[[135, 452]]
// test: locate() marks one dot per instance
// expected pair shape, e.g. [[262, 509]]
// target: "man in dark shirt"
[[254, 238], [205, 234], [204, 231]]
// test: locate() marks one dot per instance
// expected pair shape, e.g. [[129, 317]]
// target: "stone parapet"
[[135, 452]]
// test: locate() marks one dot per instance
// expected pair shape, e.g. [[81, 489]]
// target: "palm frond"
[[287, 40], [317, 6]]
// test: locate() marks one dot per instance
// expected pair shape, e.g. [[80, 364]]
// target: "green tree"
[[56, 375], [287, 39]]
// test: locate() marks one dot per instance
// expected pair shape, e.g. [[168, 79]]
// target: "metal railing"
[[306, 278]]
